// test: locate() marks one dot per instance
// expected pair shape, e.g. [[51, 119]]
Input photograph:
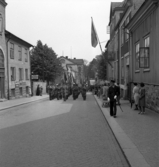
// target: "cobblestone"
[[78, 138]]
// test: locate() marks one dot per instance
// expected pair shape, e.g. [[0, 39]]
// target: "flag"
[[94, 39]]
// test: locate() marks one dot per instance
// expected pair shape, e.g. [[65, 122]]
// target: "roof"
[[117, 6], [145, 6], [14, 37], [77, 61]]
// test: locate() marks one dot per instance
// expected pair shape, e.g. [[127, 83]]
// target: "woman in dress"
[[142, 98], [136, 95]]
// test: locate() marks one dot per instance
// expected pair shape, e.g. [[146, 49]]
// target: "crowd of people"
[[63, 91], [110, 94], [39, 90], [139, 97]]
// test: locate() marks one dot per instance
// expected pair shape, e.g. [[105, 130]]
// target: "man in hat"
[[112, 96]]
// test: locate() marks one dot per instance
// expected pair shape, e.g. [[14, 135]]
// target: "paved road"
[[58, 134]]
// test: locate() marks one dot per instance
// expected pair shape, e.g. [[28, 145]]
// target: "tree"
[[44, 62], [98, 65], [102, 67], [92, 69]]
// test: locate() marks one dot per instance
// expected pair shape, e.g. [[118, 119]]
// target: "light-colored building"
[[3, 61], [18, 66], [73, 70]]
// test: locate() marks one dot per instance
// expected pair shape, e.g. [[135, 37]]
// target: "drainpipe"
[[118, 55], [9, 37]]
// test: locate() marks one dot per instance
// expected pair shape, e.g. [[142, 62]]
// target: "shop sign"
[[34, 76]]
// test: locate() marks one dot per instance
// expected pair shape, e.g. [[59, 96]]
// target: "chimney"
[[66, 57], [74, 58]]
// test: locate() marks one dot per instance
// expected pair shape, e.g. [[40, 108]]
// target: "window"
[[26, 74], [147, 45], [11, 50], [20, 74], [144, 53], [137, 46], [20, 91], [126, 30], [122, 35], [122, 68], [26, 55], [20, 53], [1, 24], [13, 73]]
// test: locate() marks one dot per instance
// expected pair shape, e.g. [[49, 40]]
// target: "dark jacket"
[[112, 91]]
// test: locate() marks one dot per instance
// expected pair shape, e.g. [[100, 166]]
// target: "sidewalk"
[[17, 102], [138, 135]]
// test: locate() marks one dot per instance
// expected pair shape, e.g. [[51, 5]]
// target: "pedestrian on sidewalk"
[[118, 97], [38, 91], [136, 95], [142, 98], [41, 90], [112, 96]]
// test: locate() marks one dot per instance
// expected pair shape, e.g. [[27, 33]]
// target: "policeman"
[[112, 96]]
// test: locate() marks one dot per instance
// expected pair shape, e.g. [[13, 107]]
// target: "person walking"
[[112, 96], [136, 95], [142, 98]]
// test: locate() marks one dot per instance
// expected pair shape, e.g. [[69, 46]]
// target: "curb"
[[23, 103], [130, 151]]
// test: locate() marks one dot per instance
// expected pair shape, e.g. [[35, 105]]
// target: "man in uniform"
[[83, 92], [112, 96], [75, 92]]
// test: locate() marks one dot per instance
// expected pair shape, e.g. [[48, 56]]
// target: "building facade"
[[144, 30], [18, 66], [73, 70], [112, 45], [120, 15], [3, 61]]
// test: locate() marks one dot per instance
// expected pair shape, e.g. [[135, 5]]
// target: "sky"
[[64, 25]]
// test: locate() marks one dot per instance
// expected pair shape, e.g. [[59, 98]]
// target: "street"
[[58, 134]]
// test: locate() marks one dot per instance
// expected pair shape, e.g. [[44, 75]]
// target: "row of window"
[[20, 91], [125, 32], [19, 52], [21, 74]]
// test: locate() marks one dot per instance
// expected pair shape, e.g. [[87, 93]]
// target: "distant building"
[[73, 70]]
